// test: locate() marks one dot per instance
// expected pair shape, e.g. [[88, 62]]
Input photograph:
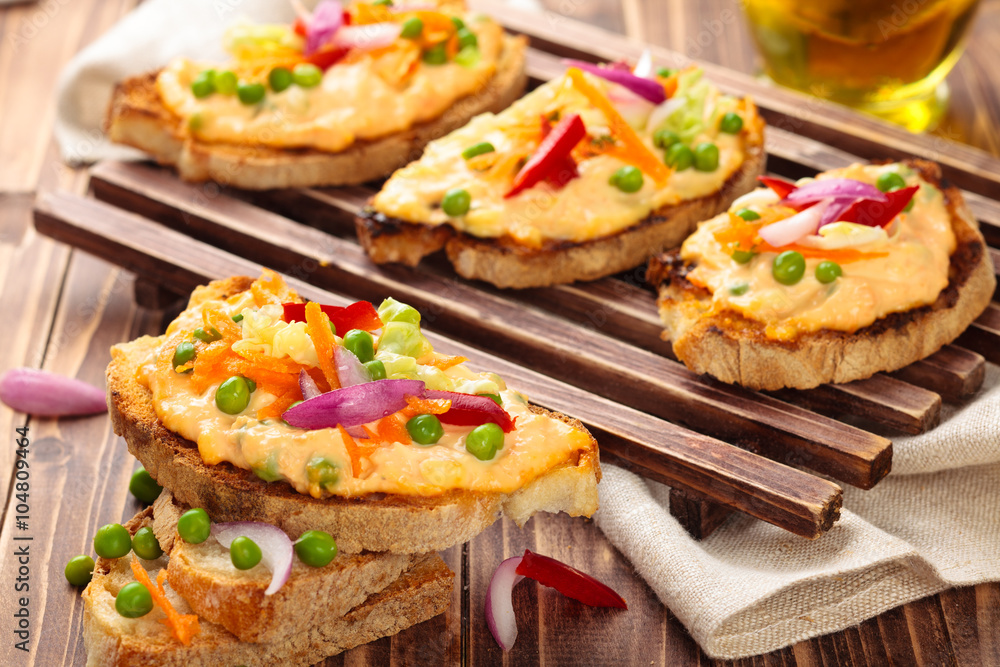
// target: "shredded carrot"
[[363, 13], [482, 162], [437, 28], [276, 408], [270, 363], [182, 626], [352, 450], [393, 429], [839, 255], [443, 363], [425, 406], [634, 151], [215, 318], [270, 288], [318, 328], [670, 85], [505, 166]]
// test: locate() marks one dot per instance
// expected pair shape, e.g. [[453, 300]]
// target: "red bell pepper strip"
[[564, 170], [780, 186], [877, 214], [553, 149], [359, 315], [569, 581], [327, 57], [299, 27], [471, 410]]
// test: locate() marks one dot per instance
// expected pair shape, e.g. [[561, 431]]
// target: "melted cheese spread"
[[276, 450], [354, 102], [586, 208], [911, 272]]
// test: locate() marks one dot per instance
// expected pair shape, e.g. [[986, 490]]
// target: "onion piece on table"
[[275, 547], [650, 90], [37, 392], [499, 607], [802, 224], [353, 406]]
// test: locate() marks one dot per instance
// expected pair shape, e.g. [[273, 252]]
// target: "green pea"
[[269, 470], [322, 472], [748, 214], [495, 398], [383, 3], [112, 541], [280, 78], [145, 545], [183, 353], [194, 526], [203, 84], [827, 272], [484, 441], [468, 56], [889, 181], [251, 385], [425, 429], [679, 156], [665, 138], [207, 336], [456, 202], [226, 82], [742, 256], [459, 23], [250, 93], [233, 395], [79, 570], [909, 204], [244, 553], [481, 148], [665, 72], [627, 179], [316, 548], [238, 317], [376, 369], [731, 123], [333, 328], [133, 600], [412, 28], [361, 344], [739, 289], [789, 267], [436, 55], [143, 486], [706, 156], [307, 75], [466, 38], [195, 122]]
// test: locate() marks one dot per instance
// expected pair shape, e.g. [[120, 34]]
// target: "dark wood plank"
[[929, 632], [798, 502], [988, 621], [699, 517], [984, 334], [570, 353], [952, 372], [963, 632]]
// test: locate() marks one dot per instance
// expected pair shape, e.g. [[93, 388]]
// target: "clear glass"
[[885, 57]]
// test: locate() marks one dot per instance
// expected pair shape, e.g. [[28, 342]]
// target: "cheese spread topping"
[[366, 94], [883, 271], [588, 206], [331, 461]]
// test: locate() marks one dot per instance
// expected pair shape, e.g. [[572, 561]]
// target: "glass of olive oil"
[[886, 57]]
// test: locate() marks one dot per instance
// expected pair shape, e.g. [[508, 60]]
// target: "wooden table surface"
[[62, 310]]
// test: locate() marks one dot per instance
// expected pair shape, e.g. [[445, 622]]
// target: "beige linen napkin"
[[750, 588]]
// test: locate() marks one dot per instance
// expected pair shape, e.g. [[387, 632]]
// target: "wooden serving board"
[[590, 350]]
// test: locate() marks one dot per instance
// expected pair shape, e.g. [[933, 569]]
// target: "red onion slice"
[[644, 67], [367, 37], [37, 392], [326, 20], [839, 188], [788, 231], [276, 548], [350, 370], [650, 90], [499, 607], [471, 410], [353, 406], [308, 386]]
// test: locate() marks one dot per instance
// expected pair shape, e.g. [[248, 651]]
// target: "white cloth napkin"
[[750, 587]]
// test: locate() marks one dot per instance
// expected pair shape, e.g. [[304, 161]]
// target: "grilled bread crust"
[[377, 522], [736, 350], [506, 263], [421, 592], [137, 117]]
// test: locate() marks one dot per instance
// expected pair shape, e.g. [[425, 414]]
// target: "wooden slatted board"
[[590, 350]]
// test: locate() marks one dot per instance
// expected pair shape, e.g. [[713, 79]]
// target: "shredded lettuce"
[[688, 120], [249, 41]]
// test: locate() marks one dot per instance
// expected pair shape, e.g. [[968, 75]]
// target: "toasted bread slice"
[[203, 574], [506, 263], [378, 522], [138, 118], [735, 349], [111, 640]]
